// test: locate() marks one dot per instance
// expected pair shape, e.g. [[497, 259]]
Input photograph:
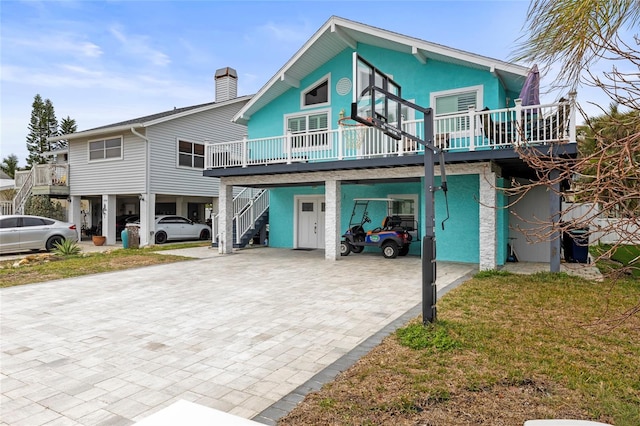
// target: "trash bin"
[[575, 243], [133, 233], [124, 236]]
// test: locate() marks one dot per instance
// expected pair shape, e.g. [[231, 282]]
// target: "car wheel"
[[205, 234], [345, 248], [357, 249], [161, 237], [404, 250], [52, 241], [390, 250]]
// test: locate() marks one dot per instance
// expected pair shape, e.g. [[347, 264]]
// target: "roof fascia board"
[[195, 111], [334, 25], [435, 48], [241, 114], [124, 127], [97, 132]]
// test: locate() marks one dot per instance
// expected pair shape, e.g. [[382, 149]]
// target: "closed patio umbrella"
[[530, 93]]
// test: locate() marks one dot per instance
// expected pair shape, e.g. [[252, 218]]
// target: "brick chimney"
[[226, 84]]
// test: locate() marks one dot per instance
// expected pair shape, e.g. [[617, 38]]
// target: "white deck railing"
[[38, 175], [6, 207], [468, 131], [45, 175]]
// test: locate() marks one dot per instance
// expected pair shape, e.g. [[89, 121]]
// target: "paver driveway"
[[234, 332]]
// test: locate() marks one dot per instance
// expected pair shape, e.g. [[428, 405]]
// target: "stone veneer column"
[[225, 218], [332, 198], [488, 248]]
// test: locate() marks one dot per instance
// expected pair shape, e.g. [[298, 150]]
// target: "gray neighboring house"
[[150, 165]]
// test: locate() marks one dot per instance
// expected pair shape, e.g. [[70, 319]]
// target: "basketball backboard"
[[375, 98]]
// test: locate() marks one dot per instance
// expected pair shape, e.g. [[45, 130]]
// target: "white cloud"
[[284, 33], [60, 43], [139, 45]]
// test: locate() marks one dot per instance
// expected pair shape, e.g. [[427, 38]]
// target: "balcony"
[[462, 132], [47, 179]]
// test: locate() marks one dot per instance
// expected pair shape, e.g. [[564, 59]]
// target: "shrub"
[[42, 205], [66, 248]]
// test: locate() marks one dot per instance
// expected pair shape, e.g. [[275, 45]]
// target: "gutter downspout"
[[147, 167]]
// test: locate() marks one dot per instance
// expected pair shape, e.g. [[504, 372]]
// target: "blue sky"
[[101, 62]]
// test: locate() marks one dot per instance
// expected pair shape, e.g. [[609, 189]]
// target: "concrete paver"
[[236, 332]]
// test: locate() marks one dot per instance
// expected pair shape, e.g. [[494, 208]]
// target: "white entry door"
[[310, 232]]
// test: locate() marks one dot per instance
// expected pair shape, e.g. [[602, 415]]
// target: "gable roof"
[[149, 120], [339, 33]]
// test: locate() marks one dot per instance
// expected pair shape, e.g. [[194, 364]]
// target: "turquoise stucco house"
[[312, 163]]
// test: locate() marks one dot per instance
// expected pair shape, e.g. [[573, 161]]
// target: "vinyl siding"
[[166, 176], [120, 176]]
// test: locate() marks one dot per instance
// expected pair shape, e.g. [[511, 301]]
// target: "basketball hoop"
[[353, 132]]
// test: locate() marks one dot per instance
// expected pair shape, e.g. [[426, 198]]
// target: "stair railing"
[[23, 193], [246, 220], [248, 206]]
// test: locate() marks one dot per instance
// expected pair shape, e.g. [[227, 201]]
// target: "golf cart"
[[391, 236]]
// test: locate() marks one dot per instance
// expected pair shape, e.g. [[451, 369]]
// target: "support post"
[[429, 291], [487, 227], [332, 219], [109, 218], [75, 214], [225, 218], [554, 213]]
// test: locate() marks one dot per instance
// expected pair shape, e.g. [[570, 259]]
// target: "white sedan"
[[172, 227], [24, 232]]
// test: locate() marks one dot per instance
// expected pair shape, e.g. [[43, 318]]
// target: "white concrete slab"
[[189, 413]]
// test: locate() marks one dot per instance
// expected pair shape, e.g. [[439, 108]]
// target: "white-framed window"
[[190, 154], [317, 94], [308, 130], [105, 149], [454, 103]]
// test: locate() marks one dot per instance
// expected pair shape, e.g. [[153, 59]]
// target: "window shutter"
[[318, 122], [297, 124], [465, 100], [455, 103]]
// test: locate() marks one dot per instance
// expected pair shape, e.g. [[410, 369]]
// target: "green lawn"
[[506, 349], [47, 266], [625, 256]]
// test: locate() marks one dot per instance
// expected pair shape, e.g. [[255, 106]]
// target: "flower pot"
[[99, 240]]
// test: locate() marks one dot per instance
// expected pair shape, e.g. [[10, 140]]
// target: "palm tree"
[[574, 34]]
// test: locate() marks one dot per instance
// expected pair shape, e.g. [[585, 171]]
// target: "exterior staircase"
[[42, 179], [250, 217], [24, 191]]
